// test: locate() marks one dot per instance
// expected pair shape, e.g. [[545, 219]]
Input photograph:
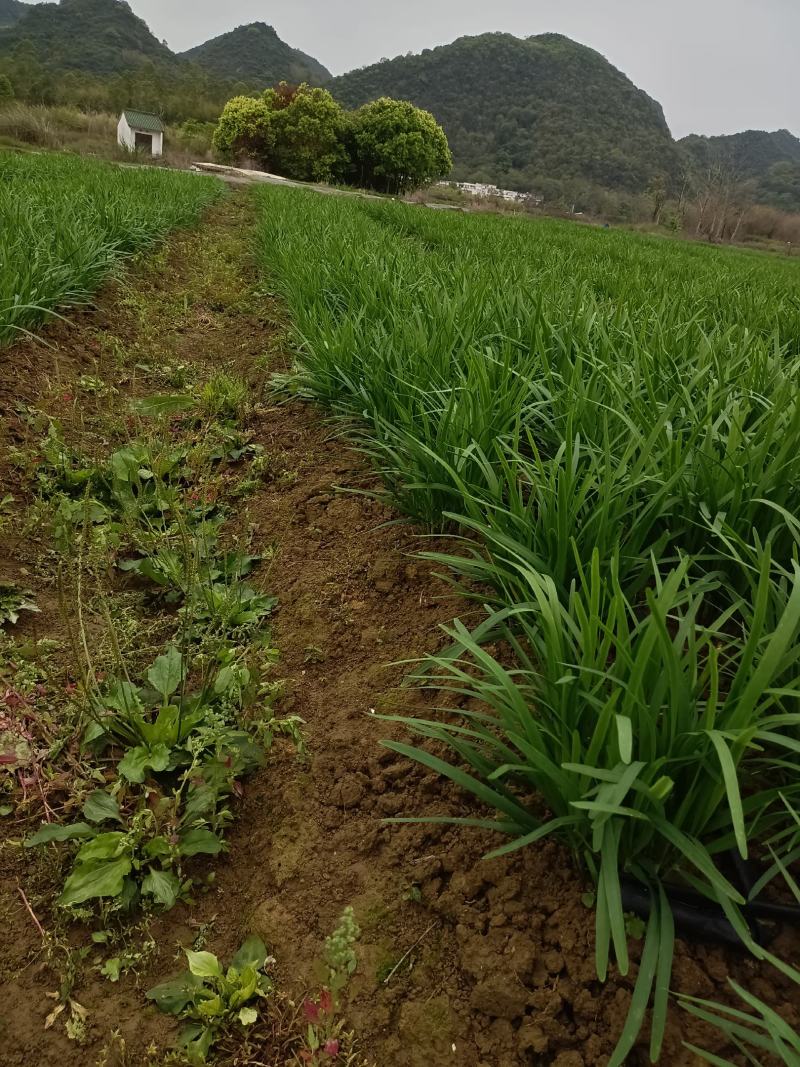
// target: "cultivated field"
[[66, 221], [202, 588], [613, 424]]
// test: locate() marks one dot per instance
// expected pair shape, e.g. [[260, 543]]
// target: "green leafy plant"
[[181, 562], [230, 608], [62, 469], [139, 497], [164, 404], [121, 864], [165, 567], [179, 754], [144, 480], [13, 601], [211, 1000]]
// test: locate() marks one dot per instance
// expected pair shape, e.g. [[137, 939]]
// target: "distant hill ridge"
[[255, 53], [11, 11], [97, 36], [527, 110], [106, 37], [768, 161], [753, 152]]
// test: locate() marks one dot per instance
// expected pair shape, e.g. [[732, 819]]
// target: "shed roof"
[[144, 121]]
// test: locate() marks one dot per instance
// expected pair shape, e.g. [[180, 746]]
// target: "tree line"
[[715, 200], [185, 92], [303, 133]]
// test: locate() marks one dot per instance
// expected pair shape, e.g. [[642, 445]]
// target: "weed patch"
[[131, 738]]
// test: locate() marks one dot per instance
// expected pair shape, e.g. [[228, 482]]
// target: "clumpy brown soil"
[[461, 961]]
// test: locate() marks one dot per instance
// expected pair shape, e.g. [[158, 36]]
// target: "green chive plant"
[[608, 426], [67, 221]]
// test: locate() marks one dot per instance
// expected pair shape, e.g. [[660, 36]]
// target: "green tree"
[[657, 192], [280, 96], [245, 128], [397, 147], [781, 186], [6, 89], [308, 134]]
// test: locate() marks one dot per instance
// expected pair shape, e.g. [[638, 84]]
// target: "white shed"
[[139, 131]]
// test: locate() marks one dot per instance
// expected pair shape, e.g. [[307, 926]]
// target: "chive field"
[[609, 423], [65, 222], [600, 427]]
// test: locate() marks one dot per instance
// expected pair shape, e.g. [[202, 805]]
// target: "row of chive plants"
[[611, 425], [65, 222]]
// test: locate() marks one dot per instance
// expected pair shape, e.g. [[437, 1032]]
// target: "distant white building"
[[484, 191], [139, 131]]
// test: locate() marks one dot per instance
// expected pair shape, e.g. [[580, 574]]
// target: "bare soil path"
[[461, 961]]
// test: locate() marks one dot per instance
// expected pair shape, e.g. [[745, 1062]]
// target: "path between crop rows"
[[461, 962]]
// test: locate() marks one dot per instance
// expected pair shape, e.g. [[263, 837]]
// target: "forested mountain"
[[99, 55], [11, 11], [753, 152], [256, 54], [768, 164], [97, 36], [528, 112]]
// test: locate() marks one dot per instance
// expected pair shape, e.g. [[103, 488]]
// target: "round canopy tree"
[[245, 129], [398, 147], [308, 133]]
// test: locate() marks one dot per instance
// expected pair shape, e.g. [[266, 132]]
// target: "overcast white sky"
[[716, 66]]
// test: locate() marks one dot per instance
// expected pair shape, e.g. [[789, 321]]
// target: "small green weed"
[[178, 754], [339, 957], [5, 511], [89, 383], [224, 397], [233, 609], [134, 947], [70, 970], [325, 1036], [210, 1000], [13, 601]]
